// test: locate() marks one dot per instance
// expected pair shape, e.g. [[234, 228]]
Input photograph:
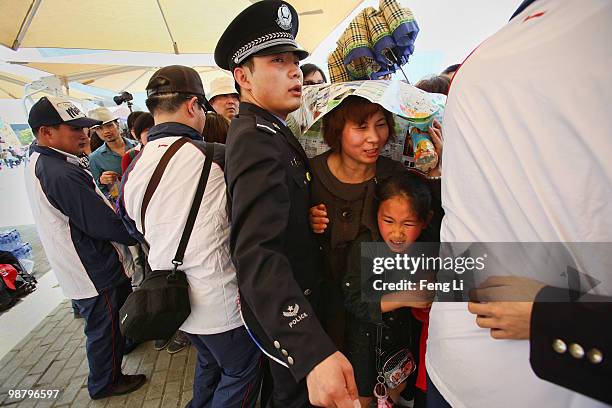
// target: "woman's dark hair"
[[94, 140], [143, 122], [355, 109], [408, 185], [435, 84], [308, 69], [215, 128], [131, 119]]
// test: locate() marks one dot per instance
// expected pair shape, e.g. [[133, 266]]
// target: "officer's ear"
[[243, 77]]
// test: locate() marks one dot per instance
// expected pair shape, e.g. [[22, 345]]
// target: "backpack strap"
[[195, 205]]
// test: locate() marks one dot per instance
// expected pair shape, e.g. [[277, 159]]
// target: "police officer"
[[276, 256]]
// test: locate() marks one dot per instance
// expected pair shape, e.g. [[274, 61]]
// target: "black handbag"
[[157, 308]]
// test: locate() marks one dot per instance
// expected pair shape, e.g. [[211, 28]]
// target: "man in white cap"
[[224, 97], [82, 237], [105, 162]]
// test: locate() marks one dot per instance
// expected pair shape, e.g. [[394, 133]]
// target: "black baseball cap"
[[264, 28], [175, 78], [54, 110]]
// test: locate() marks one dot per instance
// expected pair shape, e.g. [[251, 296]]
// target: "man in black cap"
[[276, 255], [82, 237], [228, 369]]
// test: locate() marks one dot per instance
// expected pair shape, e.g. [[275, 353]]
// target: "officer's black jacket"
[[277, 258]]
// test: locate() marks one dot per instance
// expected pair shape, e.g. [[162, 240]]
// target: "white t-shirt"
[[527, 134]]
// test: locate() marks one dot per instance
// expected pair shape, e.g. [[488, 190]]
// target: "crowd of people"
[[273, 264]]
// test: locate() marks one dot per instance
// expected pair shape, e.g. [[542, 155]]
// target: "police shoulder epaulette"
[[264, 125]]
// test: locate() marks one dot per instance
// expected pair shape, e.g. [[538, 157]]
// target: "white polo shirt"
[[528, 137]]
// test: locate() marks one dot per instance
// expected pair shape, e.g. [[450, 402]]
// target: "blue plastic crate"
[[23, 252], [10, 240]]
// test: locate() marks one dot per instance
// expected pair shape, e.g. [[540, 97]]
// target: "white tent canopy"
[[116, 78], [166, 26], [16, 87]]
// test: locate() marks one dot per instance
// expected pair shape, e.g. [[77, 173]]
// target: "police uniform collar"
[[170, 129], [247, 108]]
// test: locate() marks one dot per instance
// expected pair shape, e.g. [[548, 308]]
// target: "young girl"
[[403, 212]]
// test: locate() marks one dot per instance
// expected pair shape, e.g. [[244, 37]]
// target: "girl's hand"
[[317, 216], [418, 305], [435, 131]]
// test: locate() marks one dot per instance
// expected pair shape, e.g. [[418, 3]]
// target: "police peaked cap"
[[264, 28]]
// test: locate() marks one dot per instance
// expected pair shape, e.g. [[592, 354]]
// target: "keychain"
[[381, 394], [380, 389]]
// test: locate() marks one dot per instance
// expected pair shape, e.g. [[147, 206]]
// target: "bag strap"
[[195, 206], [156, 177]]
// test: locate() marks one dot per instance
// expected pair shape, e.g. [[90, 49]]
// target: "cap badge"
[[284, 17], [69, 109]]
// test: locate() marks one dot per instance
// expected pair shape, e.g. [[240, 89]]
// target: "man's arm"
[[96, 171], [571, 343], [73, 193]]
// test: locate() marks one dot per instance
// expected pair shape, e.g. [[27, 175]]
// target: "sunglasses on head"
[[201, 100]]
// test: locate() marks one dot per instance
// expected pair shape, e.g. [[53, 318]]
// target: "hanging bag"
[[157, 308]]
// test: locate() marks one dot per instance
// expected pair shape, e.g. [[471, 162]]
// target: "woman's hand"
[[317, 216], [435, 131]]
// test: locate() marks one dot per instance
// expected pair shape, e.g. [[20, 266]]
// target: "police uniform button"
[[284, 352], [307, 292], [347, 284], [320, 248], [576, 350], [559, 346], [276, 344], [595, 356], [290, 360]]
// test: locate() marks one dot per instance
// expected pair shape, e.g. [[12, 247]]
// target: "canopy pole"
[[174, 44], [12, 80], [100, 73], [8, 93], [26, 24]]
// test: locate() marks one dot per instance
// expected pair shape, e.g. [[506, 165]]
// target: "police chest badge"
[[284, 17]]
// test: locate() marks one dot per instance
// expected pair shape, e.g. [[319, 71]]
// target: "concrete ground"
[[52, 357]]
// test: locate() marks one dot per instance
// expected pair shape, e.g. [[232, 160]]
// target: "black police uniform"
[[276, 255], [277, 258]]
